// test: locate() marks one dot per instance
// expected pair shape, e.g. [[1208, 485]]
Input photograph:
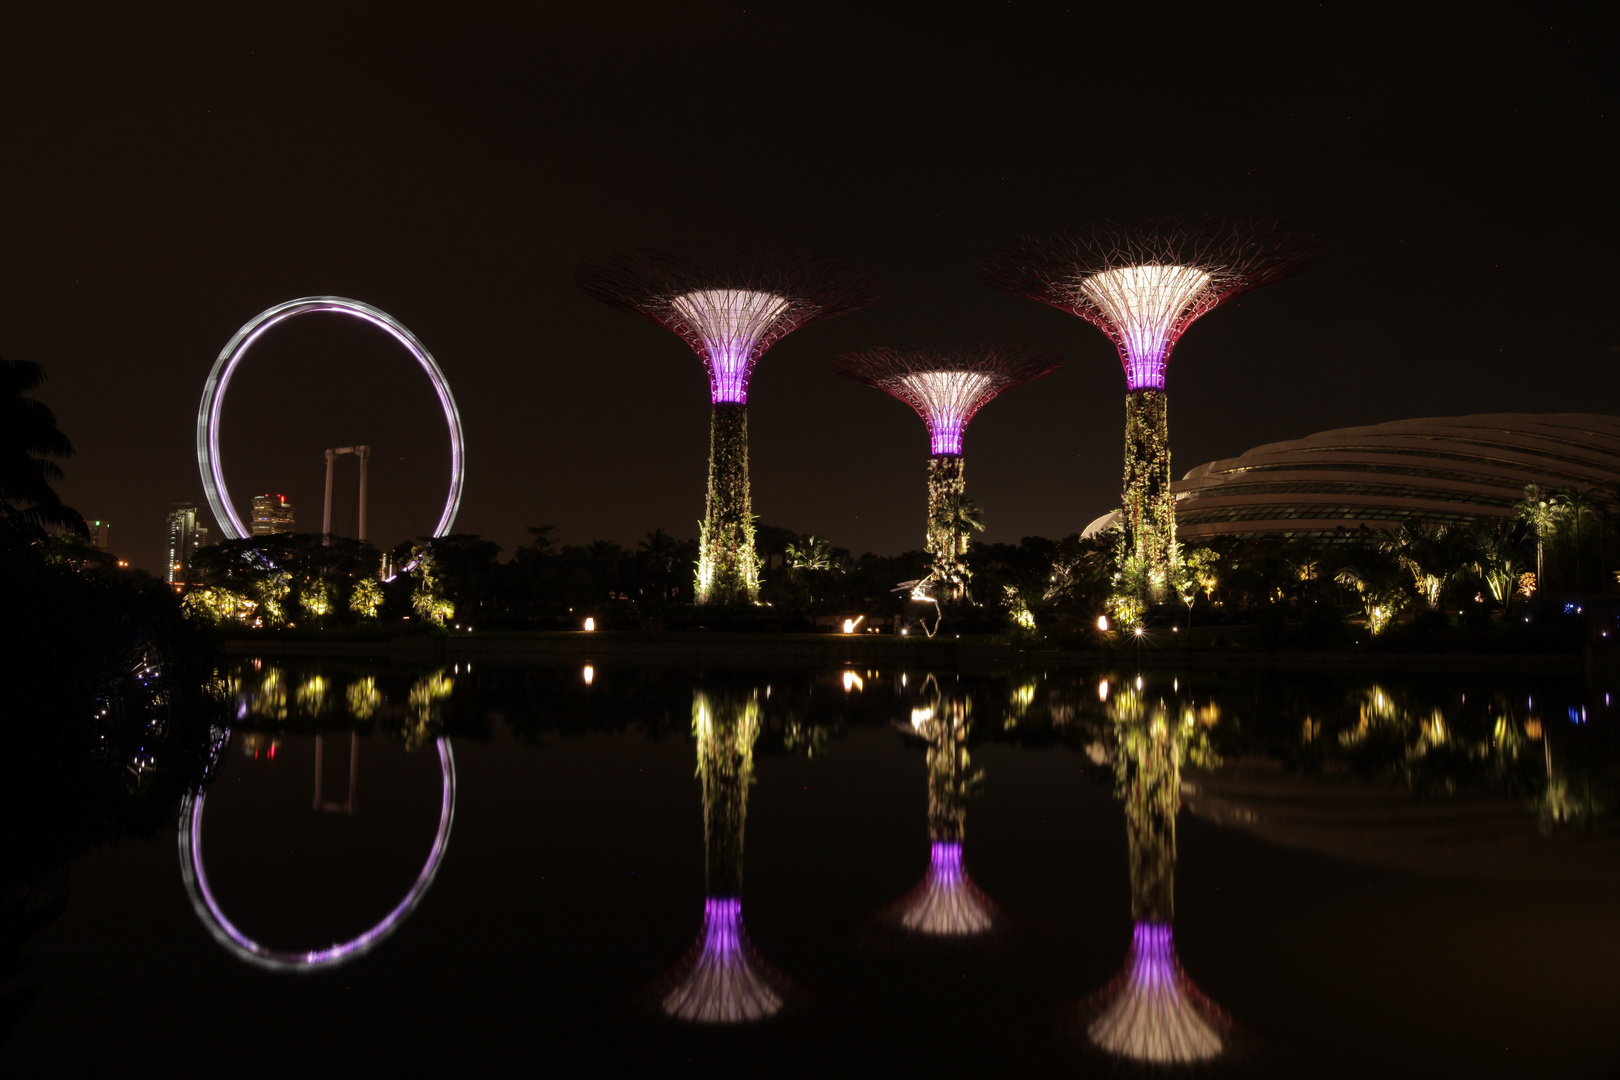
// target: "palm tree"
[[1578, 504], [1542, 512], [1432, 554], [954, 516], [815, 553], [29, 438], [808, 559], [1380, 581], [1496, 554], [662, 551]]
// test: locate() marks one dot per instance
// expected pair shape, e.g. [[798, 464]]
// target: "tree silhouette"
[[29, 439]]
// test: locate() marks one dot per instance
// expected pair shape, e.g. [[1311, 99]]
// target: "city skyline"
[[1419, 157]]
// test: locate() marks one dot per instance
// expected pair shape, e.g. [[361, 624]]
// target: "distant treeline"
[[1322, 588]]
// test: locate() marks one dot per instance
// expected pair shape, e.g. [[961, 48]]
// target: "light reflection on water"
[[1278, 757]]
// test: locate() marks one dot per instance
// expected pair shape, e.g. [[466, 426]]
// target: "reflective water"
[[597, 868]]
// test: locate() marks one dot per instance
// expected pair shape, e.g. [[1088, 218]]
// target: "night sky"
[[167, 177]]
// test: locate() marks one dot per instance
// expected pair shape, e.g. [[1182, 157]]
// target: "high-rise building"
[[101, 534], [186, 535], [272, 514]]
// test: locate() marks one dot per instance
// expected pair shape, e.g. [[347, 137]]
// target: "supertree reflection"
[[723, 980], [1152, 1012], [947, 903]]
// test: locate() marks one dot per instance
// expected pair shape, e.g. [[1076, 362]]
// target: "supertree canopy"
[[947, 903], [1143, 284], [723, 980], [730, 304], [1152, 1012], [947, 385]]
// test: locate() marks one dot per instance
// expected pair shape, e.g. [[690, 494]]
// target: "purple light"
[[1153, 956], [945, 863], [732, 324], [726, 983], [245, 948], [948, 399], [1153, 1012], [1145, 308], [947, 903]]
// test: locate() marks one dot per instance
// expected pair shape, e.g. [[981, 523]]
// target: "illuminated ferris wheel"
[[195, 876], [213, 400]]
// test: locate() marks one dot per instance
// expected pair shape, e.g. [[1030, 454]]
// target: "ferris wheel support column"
[[365, 458], [326, 515]]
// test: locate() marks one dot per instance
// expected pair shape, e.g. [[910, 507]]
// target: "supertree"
[[947, 385], [730, 304], [723, 980], [1143, 284], [1152, 1012], [947, 903]]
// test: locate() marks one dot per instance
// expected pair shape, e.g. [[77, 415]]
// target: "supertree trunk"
[[726, 727], [1148, 511], [947, 903], [723, 980], [949, 779], [728, 572], [947, 543], [1151, 798], [1152, 1012]]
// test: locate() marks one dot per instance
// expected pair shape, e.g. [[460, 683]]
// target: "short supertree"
[[1143, 284], [730, 304], [947, 385], [723, 980], [947, 903], [1152, 1012]]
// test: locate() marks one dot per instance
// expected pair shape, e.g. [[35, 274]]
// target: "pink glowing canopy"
[[1153, 1012], [732, 327], [946, 384], [1143, 283], [1145, 308], [725, 982], [947, 903], [730, 302]]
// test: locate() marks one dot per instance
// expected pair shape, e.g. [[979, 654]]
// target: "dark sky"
[[167, 177]]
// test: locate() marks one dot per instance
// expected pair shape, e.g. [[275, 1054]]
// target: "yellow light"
[[1102, 623], [852, 681], [1138, 631], [1102, 690], [590, 624], [589, 674], [851, 624]]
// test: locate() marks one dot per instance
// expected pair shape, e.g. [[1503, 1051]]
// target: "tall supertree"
[[947, 385], [947, 903], [723, 980], [1152, 1012], [730, 304], [1143, 284]]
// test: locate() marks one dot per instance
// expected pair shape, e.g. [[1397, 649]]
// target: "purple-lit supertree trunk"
[[947, 385], [730, 304], [1152, 1012], [723, 980], [947, 903], [1143, 284]]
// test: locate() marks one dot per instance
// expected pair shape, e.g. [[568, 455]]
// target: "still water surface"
[[576, 870]]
